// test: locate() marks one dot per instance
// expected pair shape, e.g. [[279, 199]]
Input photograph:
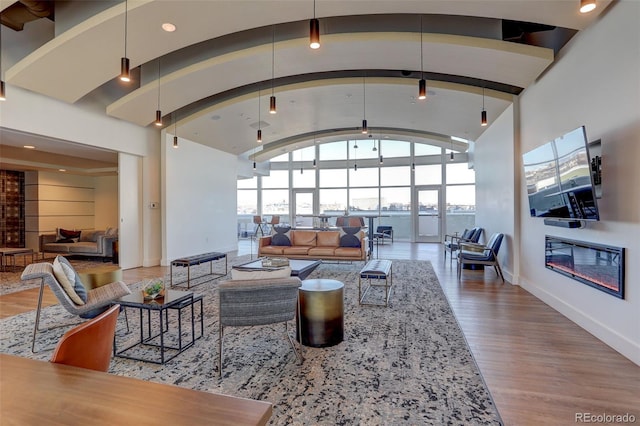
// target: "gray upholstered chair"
[[478, 254], [96, 298], [257, 302]]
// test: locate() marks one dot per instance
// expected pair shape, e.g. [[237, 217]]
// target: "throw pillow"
[[67, 278], [350, 237], [79, 287], [66, 234], [260, 274], [282, 236]]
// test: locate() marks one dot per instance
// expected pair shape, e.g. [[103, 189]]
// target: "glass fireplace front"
[[596, 265]]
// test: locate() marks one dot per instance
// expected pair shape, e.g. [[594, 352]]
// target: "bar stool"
[[257, 220]]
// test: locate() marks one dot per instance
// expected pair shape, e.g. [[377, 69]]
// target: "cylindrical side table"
[[321, 317]]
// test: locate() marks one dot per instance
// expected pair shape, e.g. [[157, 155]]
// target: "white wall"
[[496, 203], [593, 83], [130, 199], [199, 200]]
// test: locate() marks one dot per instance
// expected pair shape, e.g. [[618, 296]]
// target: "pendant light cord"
[[158, 84], [421, 54], [125, 27], [483, 98], [273, 55], [364, 98]]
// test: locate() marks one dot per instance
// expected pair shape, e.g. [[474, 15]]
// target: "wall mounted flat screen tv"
[[559, 179]]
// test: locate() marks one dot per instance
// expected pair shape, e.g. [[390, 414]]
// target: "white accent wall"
[[198, 201], [496, 188], [594, 82]]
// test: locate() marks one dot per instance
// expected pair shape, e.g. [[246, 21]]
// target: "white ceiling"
[[223, 52]]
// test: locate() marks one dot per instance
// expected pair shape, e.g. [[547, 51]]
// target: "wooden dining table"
[[36, 392]]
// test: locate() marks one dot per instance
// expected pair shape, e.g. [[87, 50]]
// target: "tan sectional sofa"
[[315, 244]]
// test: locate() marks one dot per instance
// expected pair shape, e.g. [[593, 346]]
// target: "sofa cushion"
[[296, 250], [271, 250], [66, 276], [321, 251], [89, 236], [328, 239], [260, 274], [347, 252], [83, 247], [303, 238]]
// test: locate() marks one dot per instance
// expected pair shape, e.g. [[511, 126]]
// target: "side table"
[[320, 319], [155, 339]]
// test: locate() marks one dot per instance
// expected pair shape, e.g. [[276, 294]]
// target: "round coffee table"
[[321, 318]]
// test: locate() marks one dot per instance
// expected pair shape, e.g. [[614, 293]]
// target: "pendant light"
[[587, 6], [355, 156], [483, 116], [451, 154], [254, 159], [158, 121], [381, 159], [374, 149], [272, 99], [301, 163], [2, 93], [175, 131], [314, 30], [125, 74], [315, 163], [259, 137], [365, 129], [422, 84]]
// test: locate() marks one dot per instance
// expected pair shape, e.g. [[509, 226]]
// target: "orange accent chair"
[[90, 344]]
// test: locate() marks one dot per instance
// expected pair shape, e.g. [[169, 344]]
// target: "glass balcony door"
[[427, 216]]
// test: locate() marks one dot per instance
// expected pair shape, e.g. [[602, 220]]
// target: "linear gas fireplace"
[[596, 265]]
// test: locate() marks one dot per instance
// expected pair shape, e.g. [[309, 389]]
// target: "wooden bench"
[[379, 270], [199, 259]]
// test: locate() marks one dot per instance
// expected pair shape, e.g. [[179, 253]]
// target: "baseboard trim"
[[610, 337]]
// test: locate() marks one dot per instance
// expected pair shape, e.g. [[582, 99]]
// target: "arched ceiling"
[[206, 75]]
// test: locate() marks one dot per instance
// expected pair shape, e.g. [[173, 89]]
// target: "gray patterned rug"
[[406, 364]]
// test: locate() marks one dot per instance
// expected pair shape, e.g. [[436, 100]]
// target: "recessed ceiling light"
[[62, 170], [168, 27], [29, 147]]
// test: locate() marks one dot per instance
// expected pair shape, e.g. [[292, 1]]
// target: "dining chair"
[[90, 344]]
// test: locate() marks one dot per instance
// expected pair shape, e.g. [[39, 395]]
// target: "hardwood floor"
[[541, 368]]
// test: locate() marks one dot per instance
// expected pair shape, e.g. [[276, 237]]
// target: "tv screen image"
[[559, 180]]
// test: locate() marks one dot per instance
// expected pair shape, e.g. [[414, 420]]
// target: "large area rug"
[[405, 364]]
